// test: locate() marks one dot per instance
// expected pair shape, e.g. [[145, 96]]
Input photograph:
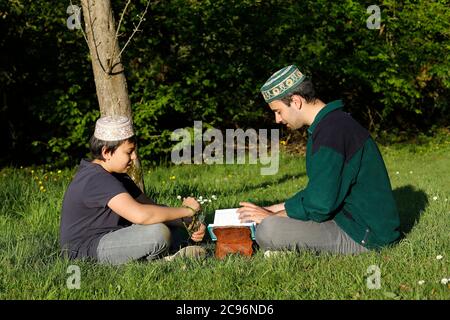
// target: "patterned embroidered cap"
[[113, 128], [282, 83]]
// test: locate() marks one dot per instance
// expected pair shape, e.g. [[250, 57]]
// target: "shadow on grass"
[[267, 183], [411, 203]]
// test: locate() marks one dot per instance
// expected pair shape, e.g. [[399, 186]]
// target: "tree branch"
[[121, 18], [93, 37], [134, 31], [113, 58], [112, 68]]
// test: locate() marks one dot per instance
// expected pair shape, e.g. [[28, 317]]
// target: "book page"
[[228, 217]]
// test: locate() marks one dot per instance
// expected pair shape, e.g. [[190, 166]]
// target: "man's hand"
[[276, 207], [192, 203], [250, 212], [198, 235]]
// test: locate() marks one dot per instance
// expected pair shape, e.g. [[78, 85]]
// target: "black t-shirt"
[[86, 216]]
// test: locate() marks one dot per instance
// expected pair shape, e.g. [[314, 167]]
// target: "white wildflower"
[[179, 197], [439, 257], [435, 198], [397, 172], [421, 282], [444, 280]]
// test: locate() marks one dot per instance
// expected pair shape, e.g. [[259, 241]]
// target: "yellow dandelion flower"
[[172, 178], [41, 187], [59, 171]]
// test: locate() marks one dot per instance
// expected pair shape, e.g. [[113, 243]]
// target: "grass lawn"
[[30, 266]]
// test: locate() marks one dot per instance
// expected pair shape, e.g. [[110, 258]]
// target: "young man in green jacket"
[[347, 206]]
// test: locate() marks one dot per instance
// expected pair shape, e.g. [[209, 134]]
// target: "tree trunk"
[[110, 82]]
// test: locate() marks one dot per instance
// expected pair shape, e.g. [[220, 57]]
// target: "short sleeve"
[[100, 189], [129, 184]]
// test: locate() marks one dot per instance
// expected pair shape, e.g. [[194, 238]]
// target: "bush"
[[206, 60]]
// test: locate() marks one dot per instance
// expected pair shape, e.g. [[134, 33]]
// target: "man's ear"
[[297, 101]]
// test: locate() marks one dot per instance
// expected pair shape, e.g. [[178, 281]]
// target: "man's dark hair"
[[305, 90], [97, 145]]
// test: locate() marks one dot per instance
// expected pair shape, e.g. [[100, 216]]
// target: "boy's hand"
[[198, 235], [192, 203]]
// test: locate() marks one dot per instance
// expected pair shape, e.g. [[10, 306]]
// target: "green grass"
[[30, 266]]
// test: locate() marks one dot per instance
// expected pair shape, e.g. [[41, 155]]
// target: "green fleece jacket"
[[348, 181]]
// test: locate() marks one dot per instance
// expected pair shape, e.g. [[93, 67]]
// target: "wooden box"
[[232, 240]]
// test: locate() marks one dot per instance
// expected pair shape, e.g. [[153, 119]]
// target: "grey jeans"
[[284, 233], [139, 242]]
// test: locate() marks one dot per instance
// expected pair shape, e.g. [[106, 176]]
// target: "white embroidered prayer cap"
[[113, 128]]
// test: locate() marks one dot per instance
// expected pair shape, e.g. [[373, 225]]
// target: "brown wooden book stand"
[[233, 240]]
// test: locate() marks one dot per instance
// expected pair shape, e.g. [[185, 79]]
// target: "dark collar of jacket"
[[336, 104]]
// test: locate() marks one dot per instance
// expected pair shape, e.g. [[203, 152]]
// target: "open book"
[[229, 218]]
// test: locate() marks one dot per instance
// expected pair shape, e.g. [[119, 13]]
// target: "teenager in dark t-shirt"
[[105, 216]]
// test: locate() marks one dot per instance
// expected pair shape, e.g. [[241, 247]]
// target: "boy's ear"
[[106, 154]]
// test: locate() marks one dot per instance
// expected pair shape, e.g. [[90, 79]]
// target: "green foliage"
[[46, 84], [69, 112], [206, 60]]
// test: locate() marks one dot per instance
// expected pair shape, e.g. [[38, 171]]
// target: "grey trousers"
[[138, 242], [284, 233]]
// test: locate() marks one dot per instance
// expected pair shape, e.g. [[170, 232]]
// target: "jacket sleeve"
[[326, 188]]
